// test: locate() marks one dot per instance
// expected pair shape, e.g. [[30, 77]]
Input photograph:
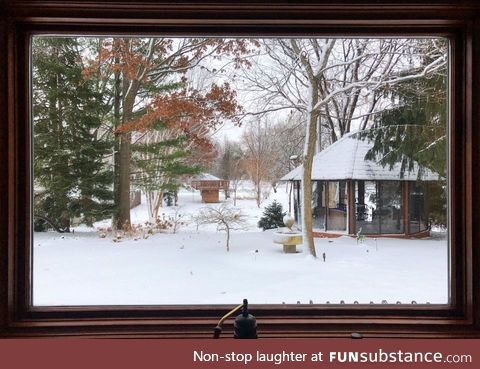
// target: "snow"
[[192, 267], [190, 203], [206, 177], [345, 160]]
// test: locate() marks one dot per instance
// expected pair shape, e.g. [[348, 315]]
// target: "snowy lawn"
[[194, 268]]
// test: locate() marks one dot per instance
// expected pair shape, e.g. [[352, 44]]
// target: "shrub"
[[272, 216]]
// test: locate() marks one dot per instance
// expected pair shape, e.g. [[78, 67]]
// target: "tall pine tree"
[[72, 177], [414, 130], [413, 133]]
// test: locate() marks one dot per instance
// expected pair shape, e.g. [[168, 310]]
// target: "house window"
[[436, 321], [114, 120], [124, 157]]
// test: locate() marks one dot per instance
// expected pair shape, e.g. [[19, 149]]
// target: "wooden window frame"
[[461, 23]]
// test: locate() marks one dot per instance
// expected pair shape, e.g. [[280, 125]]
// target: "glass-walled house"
[[353, 194]]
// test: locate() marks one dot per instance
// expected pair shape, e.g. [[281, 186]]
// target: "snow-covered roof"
[[206, 177], [345, 159]]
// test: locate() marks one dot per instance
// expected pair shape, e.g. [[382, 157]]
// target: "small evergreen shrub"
[[272, 216]]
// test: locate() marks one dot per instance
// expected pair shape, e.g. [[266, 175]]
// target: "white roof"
[[345, 159], [206, 177]]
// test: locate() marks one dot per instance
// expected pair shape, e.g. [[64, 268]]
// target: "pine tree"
[[414, 134], [71, 176], [272, 216], [160, 165], [414, 129]]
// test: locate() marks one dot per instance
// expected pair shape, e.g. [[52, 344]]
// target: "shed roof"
[[345, 159], [206, 177]]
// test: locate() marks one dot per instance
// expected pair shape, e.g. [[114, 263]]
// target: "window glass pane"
[[319, 205], [337, 206], [155, 159], [391, 207], [367, 216], [418, 216]]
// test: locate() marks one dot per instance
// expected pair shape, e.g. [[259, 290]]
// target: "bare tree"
[[259, 155], [225, 217], [288, 137], [229, 165], [237, 172]]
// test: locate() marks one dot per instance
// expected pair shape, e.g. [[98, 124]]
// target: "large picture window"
[[134, 160], [126, 184]]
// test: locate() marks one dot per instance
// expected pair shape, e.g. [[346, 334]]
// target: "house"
[[353, 194]]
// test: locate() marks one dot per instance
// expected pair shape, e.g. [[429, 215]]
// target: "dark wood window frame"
[[460, 23]]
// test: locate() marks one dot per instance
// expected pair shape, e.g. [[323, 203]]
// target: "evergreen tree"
[[71, 176], [160, 164], [414, 131], [272, 216]]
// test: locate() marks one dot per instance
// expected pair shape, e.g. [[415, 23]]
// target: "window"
[[379, 207], [337, 206], [197, 321], [319, 202], [97, 235], [331, 193]]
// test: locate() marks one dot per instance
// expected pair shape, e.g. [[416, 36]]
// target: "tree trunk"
[[228, 237], [116, 223], [122, 216], [156, 204], [149, 198], [306, 196], [259, 191], [123, 210]]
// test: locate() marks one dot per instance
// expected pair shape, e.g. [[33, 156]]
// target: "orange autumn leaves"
[[132, 57], [190, 112], [155, 62]]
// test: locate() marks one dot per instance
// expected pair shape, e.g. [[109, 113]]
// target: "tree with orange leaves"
[[171, 140], [134, 72]]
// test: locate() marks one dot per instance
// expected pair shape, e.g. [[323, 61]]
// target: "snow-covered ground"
[[193, 267]]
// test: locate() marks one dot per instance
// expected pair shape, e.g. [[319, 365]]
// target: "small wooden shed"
[[210, 186]]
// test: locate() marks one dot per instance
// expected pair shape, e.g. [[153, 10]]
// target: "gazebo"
[[210, 186], [352, 194]]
